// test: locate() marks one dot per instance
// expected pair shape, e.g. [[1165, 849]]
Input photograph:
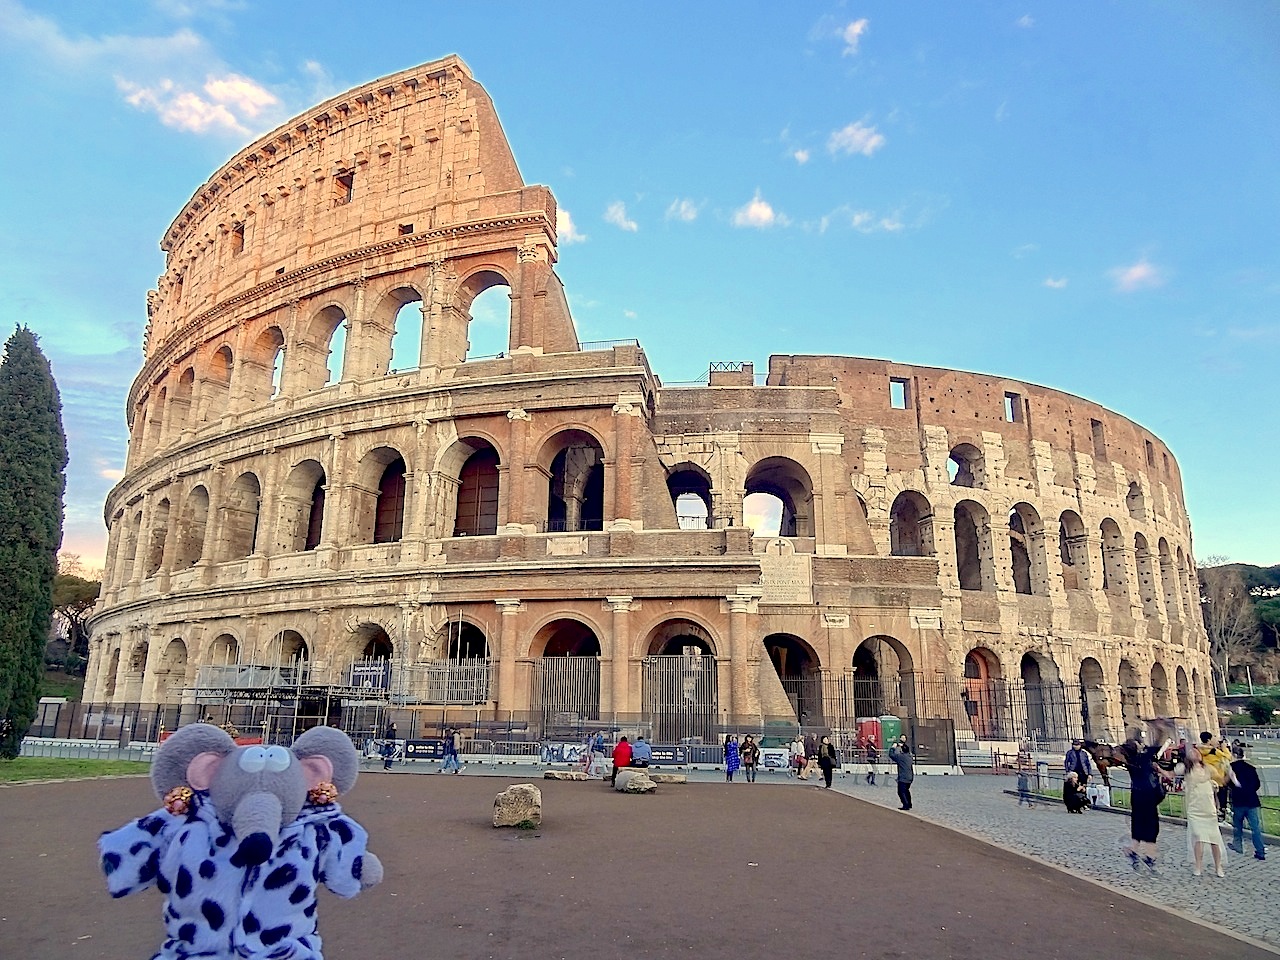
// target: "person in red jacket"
[[621, 758]]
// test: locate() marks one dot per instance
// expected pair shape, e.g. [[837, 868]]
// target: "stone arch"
[[799, 669], [155, 421], [1131, 695], [565, 637], [1135, 503], [882, 677], [171, 672], [324, 344], [1073, 551], [180, 403], [1094, 720], [477, 297], [132, 534], [789, 483], [479, 491], [461, 639], [241, 509], [215, 388], [1114, 579], [378, 497], [1028, 564], [1186, 708], [965, 466], [689, 487], [223, 650], [112, 678], [1046, 714], [984, 695], [1184, 584], [159, 533], [574, 462], [393, 335], [263, 366], [1161, 702], [301, 523], [672, 637], [911, 526], [1169, 581], [975, 566], [567, 669], [192, 525]]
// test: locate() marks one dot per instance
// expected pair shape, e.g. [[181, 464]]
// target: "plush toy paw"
[[371, 871]]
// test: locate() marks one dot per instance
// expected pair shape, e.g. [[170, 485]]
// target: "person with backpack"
[[1245, 804], [1146, 793]]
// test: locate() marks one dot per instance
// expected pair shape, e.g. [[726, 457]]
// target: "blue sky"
[[1084, 196]]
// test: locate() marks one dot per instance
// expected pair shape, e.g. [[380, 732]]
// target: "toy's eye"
[[253, 759], [277, 759]]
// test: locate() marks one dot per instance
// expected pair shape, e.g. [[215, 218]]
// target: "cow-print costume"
[[219, 904]]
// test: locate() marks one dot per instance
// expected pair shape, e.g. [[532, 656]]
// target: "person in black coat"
[[826, 761]]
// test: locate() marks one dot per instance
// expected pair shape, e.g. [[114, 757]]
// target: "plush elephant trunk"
[[256, 822]]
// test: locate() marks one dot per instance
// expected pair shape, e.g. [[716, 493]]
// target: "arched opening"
[[1114, 580], [155, 426], [180, 404], [217, 386], [302, 508], [1160, 701], [113, 674], [762, 514], [132, 534], [1185, 708], [974, 562], [911, 526], [566, 678], [264, 366], [224, 650], [799, 671], [1093, 701], [690, 491], [965, 466], [159, 531], [1073, 551], [406, 337], [191, 529], [478, 489], [277, 371], [1169, 581], [679, 682], [985, 696], [1046, 713], [330, 328], [171, 673], [881, 681], [575, 489], [371, 654], [240, 517], [1131, 689], [488, 331], [788, 483], [465, 641], [388, 521], [1026, 548]]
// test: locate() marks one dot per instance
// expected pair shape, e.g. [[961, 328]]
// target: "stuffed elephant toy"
[[245, 837]]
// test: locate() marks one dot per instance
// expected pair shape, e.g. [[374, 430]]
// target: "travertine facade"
[[292, 500]]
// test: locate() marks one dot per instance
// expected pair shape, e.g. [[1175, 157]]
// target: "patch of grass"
[[55, 683], [28, 769]]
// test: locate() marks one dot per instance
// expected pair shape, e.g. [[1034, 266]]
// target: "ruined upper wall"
[[969, 404], [392, 160]]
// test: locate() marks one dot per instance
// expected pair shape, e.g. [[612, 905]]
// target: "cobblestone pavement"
[[1245, 901]]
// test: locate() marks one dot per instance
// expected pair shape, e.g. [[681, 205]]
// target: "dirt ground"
[[700, 870]]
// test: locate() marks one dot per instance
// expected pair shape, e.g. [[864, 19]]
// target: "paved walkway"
[[1086, 846]]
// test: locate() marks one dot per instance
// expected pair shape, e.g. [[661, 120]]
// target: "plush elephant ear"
[[336, 746], [169, 768]]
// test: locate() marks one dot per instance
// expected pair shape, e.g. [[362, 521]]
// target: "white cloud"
[[228, 101], [800, 156], [113, 474], [1026, 21], [856, 138], [1055, 283], [1002, 111], [1142, 275], [758, 213], [683, 210], [616, 213], [565, 230], [851, 35], [629, 314]]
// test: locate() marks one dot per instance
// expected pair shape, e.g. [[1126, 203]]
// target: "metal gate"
[[565, 696], [680, 697]]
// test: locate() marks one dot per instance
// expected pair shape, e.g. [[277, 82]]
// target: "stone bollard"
[[520, 805]]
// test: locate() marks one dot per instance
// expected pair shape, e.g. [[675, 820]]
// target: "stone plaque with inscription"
[[784, 576]]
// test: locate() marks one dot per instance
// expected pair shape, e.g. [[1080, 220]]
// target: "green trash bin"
[[890, 730]]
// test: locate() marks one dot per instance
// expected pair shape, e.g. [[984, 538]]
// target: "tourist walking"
[[621, 759], [826, 761], [1146, 792], [1218, 761], [1024, 787], [1079, 762], [732, 757], [452, 750], [389, 737], [873, 757], [1245, 804], [1199, 792], [900, 753], [798, 762], [750, 753]]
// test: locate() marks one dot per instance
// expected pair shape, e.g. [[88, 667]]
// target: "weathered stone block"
[[634, 781], [520, 805]]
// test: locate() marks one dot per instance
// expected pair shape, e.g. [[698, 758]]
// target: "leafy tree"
[[33, 455], [1260, 709], [74, 597], [1229, 617]]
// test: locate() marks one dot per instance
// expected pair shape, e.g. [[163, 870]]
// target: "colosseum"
[[317, 526]]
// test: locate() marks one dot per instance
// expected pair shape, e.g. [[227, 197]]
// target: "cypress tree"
[[33, 455]]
